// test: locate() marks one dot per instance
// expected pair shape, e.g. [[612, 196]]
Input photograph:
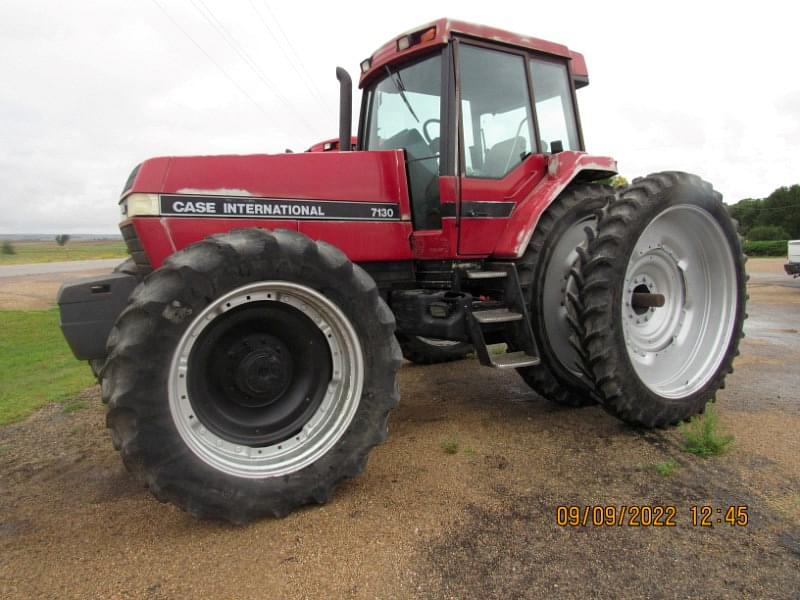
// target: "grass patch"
[[498, 349], [494, 350], [39, 252], [701, 436], [470, 451], [449, 446], [36, 365], [667, 468]]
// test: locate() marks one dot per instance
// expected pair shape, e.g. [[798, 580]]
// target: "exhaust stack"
[[345, 109]]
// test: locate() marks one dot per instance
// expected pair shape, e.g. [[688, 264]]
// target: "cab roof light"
[[412, 39], [427, 35], [366, 64]]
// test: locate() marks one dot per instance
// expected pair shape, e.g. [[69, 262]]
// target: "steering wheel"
[[425, 125], [514, 145]]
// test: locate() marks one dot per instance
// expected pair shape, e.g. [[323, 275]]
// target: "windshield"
[[405, 109], [403, 112]]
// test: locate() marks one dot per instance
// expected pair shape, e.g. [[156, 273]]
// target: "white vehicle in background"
[[792, 266]]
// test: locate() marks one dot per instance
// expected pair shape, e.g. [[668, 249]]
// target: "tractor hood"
[[372, 177], [357, 201]]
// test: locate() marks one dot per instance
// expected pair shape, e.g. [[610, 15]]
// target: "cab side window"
[[495, 111], [554, 110]]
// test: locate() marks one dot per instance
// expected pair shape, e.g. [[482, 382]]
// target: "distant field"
[[39, 252], [36, 365]]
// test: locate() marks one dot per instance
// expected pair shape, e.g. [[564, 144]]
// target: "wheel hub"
[[682, 258], [262, 368], [654, 274]]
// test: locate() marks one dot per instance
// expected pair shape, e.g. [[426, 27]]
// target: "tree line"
[[776, 217]]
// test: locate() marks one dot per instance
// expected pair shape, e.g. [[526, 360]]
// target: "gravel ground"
[[422, 523]]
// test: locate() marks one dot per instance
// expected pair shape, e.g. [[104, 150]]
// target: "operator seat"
[[503, 156]]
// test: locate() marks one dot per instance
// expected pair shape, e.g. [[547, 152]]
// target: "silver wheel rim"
[[684, 255], [327, 424], [557, 282]]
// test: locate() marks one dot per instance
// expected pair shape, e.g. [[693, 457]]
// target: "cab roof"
[[443, 31]]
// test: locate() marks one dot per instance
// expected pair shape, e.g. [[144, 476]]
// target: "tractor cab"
[[469, 109]]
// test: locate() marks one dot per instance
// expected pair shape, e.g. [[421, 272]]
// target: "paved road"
[[779, 279], [58, 267], [34, 286]]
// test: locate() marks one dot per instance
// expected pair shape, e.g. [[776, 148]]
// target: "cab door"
[[499, 158]]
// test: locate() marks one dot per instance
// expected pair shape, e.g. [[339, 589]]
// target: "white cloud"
[[90, 89]]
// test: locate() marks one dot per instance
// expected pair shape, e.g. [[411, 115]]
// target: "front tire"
[[666, 238], [251, 374]]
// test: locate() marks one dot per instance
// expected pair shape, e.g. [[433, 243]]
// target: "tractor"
[[248, 349]]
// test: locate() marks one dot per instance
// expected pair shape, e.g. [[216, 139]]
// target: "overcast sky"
[[88, 89]]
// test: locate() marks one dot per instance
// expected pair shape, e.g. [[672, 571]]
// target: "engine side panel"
[[357, 201]]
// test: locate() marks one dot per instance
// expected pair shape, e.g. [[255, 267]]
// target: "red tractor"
[[248, 349]]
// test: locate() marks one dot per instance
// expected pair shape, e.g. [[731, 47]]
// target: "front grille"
[[135, 249]]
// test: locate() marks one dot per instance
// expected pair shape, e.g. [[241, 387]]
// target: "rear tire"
[[426, 351], [544, 272], [251, 374], [667, 234]]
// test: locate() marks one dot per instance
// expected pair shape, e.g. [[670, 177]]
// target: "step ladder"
[[503, 320]]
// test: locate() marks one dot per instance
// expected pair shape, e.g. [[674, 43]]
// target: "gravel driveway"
[[480, 523]]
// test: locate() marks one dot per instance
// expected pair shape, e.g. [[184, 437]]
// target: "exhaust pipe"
[[345, 109]]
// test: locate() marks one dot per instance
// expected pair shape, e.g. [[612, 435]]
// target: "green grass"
[[449, 446], [701, 436], [36, 365], [39, 252], [667, 468]]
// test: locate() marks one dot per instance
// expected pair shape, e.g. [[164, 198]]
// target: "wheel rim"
[[684, 255], [557, 282], [292, 433]]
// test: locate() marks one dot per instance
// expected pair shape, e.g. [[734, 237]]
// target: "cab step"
[[514, 360], [486, 274], [502, 319]]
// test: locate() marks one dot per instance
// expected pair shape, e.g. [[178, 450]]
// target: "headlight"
[[136, 205]]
